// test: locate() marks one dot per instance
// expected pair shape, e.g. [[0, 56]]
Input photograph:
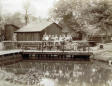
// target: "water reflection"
[[62, 73]]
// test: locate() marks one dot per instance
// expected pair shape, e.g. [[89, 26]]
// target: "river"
[[61, 73]]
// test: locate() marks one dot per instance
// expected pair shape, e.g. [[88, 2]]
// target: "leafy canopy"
[[88, 16]]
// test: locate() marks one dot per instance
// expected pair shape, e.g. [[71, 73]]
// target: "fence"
[[48, 45]]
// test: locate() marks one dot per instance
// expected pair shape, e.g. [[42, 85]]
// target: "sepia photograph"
[[55, 42]]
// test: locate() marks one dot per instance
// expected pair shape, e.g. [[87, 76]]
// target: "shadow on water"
[[61, 73]]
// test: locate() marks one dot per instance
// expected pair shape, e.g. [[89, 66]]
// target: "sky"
[[38, 8]]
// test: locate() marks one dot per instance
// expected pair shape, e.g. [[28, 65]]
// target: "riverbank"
[[104, 54]]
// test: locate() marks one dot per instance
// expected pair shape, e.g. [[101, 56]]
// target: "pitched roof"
[[65, 29], [64, 26], [35, 26]]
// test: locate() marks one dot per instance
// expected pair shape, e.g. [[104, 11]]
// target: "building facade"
[[35, 31]]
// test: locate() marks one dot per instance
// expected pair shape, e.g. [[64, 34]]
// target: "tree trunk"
[[26, 17], [102, 39], [107, 37]]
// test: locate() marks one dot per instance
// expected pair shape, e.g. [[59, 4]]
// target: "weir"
[[56, 55], [13, 57], [43, 51]]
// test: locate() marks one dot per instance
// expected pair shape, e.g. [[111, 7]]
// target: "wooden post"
[[110, 62], [63, 46], [42, 46], [88, 48], [63, 43]]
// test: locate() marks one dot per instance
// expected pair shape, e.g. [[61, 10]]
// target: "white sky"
[[37, 7]]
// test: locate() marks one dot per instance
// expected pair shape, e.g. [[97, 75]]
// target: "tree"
[[16, 19], [0, 12], [29, 10], [71, 12], [101, 17], [26, 7], [87, 16], [2, 23]]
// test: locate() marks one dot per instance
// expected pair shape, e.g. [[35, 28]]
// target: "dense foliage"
[[89, 16]]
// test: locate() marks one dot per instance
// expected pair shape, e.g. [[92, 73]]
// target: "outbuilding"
[[35, 31]]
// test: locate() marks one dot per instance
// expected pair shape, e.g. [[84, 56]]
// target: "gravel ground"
[[104, 54]]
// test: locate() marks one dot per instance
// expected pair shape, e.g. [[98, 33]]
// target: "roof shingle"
[[35, 26]]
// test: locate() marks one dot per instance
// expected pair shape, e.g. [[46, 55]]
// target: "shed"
[[52, 29], [35, 31]]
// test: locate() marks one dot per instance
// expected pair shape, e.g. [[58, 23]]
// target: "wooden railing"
[[48, 45]]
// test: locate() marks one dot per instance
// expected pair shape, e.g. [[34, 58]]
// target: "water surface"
[[61, 73]]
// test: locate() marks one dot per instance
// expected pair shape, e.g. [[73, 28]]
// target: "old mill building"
[[37, 30]]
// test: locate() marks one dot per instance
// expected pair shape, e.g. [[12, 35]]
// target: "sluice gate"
[[53, 55], [44, 50], [14, 57]]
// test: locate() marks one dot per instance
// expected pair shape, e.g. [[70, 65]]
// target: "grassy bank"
[[104, 54]]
